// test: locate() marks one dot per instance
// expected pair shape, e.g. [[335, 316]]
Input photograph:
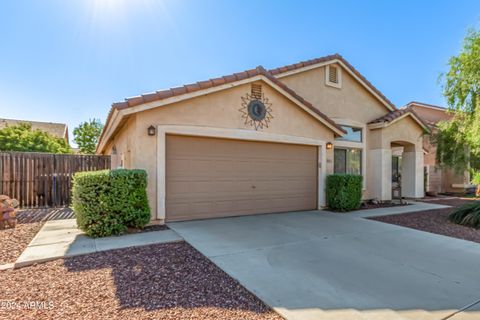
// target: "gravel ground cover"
[[163, 281], [14, 241], [29, 222], [367, 206], [434, 221]]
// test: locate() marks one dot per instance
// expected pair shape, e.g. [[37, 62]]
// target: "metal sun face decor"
[[256, 110]]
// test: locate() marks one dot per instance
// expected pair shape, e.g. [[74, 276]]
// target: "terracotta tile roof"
[[270, 74], [392, 115], [201, 85], [335, 56], [188, 88]]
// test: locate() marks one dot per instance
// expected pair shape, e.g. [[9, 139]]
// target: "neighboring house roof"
[[59, 130], [429, 113], [300, 66], [425, 105], [398, 114], [201, 86]]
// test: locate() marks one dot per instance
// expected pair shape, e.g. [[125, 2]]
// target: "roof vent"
[[256, 91], [333, 76]]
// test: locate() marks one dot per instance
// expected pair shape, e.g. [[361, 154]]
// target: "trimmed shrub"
[[344, 191], [107, 202], [467, 215]]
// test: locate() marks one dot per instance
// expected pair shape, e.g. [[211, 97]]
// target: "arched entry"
[[398, 134], [407, 168]]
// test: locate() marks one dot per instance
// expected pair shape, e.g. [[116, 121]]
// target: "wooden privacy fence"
[[44, 179]]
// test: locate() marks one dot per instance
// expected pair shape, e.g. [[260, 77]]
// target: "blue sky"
[[67, 61]]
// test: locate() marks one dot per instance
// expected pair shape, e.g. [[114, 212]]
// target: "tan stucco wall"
[[403, 130], [351, 101], [352, 104], [405, 133], [221, 110], [124, 142]]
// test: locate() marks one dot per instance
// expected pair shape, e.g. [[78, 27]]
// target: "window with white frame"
[[347, 160]]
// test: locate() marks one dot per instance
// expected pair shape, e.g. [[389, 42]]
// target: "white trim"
[[322, 176], [161, 173], [291, 72], [237, 134], [338, 84]]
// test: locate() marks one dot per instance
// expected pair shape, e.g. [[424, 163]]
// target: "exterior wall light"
[[329, 145], [151, 131]]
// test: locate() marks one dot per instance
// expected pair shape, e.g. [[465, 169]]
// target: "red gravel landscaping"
[[435, 221], [29, 222], [14, 241], [163, 281]]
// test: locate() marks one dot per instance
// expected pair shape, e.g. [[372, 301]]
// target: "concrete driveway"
[[322, 265]]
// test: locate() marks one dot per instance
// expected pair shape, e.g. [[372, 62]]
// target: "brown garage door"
[[210, 178]]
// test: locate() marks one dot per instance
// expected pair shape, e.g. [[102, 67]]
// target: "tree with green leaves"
[[23, 138], [86, 135], [458, 140]]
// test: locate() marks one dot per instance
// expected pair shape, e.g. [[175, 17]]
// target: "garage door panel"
[[209, 177]]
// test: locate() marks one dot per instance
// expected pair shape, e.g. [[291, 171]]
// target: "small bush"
[[344, 191], [467, 215], [107, 202]]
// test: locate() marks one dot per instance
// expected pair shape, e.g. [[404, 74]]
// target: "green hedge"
[[107, 202], [344, 191]]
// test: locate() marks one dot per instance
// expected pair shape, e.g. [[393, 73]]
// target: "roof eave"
[[120, 110]]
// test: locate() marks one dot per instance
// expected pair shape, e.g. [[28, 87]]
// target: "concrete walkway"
[[62, 238], [412, 206], [323, 265]]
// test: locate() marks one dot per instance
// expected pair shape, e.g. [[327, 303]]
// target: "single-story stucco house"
[[263, 141], [438, 179]]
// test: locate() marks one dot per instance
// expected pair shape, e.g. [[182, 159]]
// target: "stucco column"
[[412, 174], [322, 176], [381, 164]]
